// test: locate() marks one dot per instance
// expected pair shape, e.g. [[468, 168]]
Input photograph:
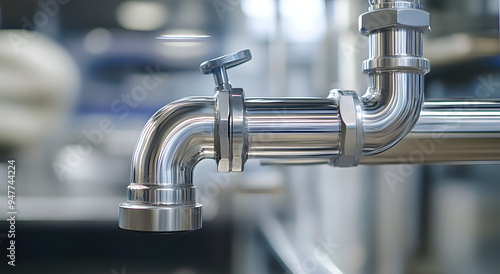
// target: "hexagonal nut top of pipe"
[[416, 19]]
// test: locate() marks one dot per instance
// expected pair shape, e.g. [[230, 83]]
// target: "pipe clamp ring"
[[351, 141], [223, 130], [238, 130]]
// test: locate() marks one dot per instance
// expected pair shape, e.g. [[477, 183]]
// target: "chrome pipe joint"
[[396, 70], [161, 196], [230, 128]]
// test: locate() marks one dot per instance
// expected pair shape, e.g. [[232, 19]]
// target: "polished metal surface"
[[382, 4], [351, 142], [449, 132], [218, 66], [150, 218], [341, 130], [396, 69], [239, 145], [292, 128], [161, 196], [407, 18], [222, 129], [391, 108], [230, 115]]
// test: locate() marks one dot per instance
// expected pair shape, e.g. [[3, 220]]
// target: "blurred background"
[[79, 79]]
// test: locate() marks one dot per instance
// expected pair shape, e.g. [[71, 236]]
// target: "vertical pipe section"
[[396, 70]]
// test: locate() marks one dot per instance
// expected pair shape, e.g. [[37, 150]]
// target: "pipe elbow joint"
[[396, 71], [161, 195]]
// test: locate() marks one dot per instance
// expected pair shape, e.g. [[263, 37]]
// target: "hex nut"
[[394, 18]]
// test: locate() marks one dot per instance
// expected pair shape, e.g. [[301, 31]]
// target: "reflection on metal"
[[230, 112], [161, 196], [449, 132], [341, 130], [396, 69]]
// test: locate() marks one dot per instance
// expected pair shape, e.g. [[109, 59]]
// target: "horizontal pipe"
[[449, 132], [292, 128], [181, 134]]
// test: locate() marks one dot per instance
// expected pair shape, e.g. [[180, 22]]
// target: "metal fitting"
[[384, 4], [238, 130], [230, 127], [351, 141], [409, 63], [223, 130], [408, 18]]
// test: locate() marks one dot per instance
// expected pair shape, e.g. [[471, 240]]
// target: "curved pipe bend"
[[391, 108], [173, 141], [396, 70], [161, 196]]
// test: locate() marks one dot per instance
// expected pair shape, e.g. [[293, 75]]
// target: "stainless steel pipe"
[[292, 128], [341, 130], [449, 132], [161, 196], [396, 69], [230, 129]]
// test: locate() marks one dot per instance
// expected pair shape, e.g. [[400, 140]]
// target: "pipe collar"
[[351, 141]]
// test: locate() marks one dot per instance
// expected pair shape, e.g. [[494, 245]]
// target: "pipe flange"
[[160, 218], [223, 125], [351, 141], [410, 63], [239, 130], [230, 140]]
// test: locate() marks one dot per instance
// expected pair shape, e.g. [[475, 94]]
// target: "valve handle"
[[219, 65]]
